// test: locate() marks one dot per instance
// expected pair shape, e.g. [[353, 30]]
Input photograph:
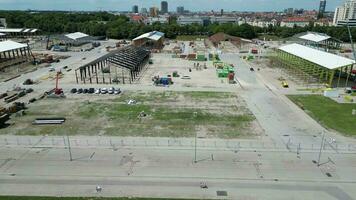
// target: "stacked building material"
[[49, 121]]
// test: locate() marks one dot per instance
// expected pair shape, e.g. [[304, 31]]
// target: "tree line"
[[120, 27]]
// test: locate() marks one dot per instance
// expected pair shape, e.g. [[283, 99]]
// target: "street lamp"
[[195, 141]]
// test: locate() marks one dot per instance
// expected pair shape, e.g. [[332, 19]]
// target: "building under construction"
[[217, 38], [121, 66], [13, 53], [312, 66], [151, 40]]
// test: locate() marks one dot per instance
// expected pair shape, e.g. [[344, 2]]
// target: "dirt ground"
[[168, 114]]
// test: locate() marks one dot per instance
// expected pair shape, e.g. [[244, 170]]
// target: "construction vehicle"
[[4, 116], [58, 91], [285, 84]]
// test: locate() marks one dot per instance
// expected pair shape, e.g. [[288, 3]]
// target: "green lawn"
[[328, 113], [169, 114], [190, 37], [74, 198]]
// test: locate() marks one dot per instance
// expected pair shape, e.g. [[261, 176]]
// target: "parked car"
[[74, 90], [98, 91], [80, 90], [51, 69], [104, 90], [117, 91], [111, 90], [91, 90], [85, 91]]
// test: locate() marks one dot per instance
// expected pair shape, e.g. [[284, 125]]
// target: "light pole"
[[195, 141], [321, 147]]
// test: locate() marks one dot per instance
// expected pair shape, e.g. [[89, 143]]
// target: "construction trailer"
[[312, 66], [120, 66], [13, 53]]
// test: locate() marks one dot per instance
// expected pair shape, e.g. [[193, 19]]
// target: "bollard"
[[87, 142], [111, 143]]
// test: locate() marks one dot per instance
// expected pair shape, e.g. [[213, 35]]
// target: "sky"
[[193, 5]]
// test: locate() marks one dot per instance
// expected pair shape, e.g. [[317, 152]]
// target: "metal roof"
[[17, 30], [315, 37], [76, 35], [154, 35], [10, 45], [324, 59]]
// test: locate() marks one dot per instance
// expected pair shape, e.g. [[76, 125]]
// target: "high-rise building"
[[164, 7], [153, 11], [345, 12], [180, 10], [222, 12], [144, 10], [135, 9], [322, 7]]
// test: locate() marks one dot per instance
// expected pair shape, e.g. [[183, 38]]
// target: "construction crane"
[[57, 90]]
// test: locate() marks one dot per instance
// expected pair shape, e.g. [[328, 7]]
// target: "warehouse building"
[[319, 40], [12, 53], [314, 66], [217, 38], [151, 40], [72, 39], [121, 66]]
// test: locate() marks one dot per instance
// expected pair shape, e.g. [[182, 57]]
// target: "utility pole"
[[69, 149], [321, 147]]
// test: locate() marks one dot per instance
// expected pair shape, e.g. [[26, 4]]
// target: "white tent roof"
[[154, 35], [10, 45], [76, 35], [324, 59], [314, 37], [2, 34]]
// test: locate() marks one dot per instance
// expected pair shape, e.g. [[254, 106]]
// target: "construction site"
[[221, 110]]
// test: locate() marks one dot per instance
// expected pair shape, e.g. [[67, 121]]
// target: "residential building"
[[164, 7], [295, 21], [345, 12], [135, 9], [161, 19]]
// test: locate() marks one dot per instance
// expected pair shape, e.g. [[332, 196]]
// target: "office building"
[[164, 7], [180, 10], [135, 9], [153, 11], [322, 7]]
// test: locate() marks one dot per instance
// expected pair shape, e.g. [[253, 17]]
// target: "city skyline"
[[198, 5]]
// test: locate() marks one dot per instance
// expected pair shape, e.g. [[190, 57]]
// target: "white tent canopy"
[[324, 59], [315, 37], [154, 35], [10, 45], [76, 35]]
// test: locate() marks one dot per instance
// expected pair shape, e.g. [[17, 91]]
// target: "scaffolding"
[[122, 65], [313, 66]]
